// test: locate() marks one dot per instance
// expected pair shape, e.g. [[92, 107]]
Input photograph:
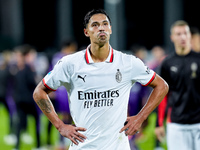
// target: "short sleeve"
[[59, 76], [141, 73]]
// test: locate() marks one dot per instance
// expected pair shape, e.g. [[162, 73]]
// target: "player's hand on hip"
[[160, 133], [132, 125], [71, 132]]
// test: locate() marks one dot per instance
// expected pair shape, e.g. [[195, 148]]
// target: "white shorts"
[[183, 136]]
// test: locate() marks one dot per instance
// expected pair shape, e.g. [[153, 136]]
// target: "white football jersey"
[[98, 94]]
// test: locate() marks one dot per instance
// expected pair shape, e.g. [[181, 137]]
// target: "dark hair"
[[194, 30], [24, 49], [67, 43], [93, 12]]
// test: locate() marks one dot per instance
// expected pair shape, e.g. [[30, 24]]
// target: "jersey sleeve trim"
[[47, 85], [154, 75]]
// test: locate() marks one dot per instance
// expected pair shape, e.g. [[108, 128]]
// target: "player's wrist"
[[59, 126], [143, 116]]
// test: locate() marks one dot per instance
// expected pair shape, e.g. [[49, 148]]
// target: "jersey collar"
[[89, 60]]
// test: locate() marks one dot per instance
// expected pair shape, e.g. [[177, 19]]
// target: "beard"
[[102, 42], [102, 39]]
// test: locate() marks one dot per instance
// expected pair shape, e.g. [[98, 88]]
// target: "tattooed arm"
[[41, 97], [45, 105]]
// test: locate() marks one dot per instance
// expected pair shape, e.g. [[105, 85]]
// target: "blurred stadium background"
[[45, 23]]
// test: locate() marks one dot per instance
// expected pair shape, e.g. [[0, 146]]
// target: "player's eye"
[[94, 25]]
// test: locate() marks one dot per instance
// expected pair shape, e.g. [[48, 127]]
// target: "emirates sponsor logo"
[[98, 99]]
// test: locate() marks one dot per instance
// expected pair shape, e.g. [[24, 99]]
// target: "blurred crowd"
[[22, 68]]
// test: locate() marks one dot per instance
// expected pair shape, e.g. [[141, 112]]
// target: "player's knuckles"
[[70, 134], [80, 135]]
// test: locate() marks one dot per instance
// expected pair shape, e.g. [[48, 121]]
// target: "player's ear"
[[86, 32]]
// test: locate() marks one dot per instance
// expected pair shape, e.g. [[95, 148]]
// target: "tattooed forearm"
[[45, 105]]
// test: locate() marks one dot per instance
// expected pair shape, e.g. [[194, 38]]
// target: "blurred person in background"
[[60, 96], [195, 40], [98, 81], [138, 95], [140, 51], [5, 98], [158, 55], [41, 64], [24, 82], [181, 70]]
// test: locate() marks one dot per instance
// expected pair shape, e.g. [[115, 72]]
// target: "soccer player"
[[98, 80], [181, 70]]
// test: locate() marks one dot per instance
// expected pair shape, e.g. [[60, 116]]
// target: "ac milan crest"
[[118, 76]]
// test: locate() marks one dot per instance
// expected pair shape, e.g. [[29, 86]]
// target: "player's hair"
[[67, 43], [93, 12], [179, 23], [194, 30], [24, 49]]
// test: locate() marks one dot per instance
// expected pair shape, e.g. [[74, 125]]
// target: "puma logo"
[[83, 78]]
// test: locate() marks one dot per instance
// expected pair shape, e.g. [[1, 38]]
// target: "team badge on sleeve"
[[118, 76], [148, 70]]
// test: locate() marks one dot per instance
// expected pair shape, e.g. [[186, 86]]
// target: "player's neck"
[[99, 53], [183, 51]]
